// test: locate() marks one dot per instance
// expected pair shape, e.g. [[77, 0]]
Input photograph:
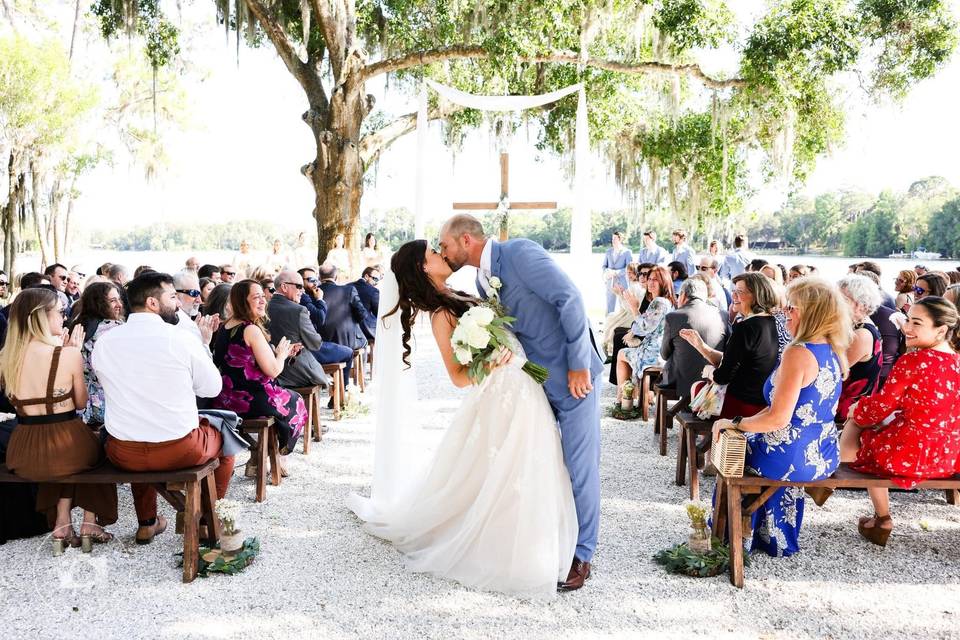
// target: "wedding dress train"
[[495, 510]]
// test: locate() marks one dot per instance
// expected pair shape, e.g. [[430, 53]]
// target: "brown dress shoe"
[[579, 573]]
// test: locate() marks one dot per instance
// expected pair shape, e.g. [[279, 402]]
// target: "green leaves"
[[144, 18], [682, 560]]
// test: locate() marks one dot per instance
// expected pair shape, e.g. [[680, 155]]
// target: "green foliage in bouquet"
[[681, 559], [478, 338]]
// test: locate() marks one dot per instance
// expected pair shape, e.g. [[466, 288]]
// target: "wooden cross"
[[504, 193]]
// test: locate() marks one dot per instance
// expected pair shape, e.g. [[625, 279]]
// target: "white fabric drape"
[[580, 224]]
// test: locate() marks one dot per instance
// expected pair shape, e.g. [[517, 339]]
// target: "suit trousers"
[[331, 353], [580, 438], [198, 447]]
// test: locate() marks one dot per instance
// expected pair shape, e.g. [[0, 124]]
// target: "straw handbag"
[[729, 453]]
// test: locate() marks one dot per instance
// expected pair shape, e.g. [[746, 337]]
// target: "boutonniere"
[[495, 283]]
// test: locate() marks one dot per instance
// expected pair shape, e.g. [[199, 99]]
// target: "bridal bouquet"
[[479, 336]]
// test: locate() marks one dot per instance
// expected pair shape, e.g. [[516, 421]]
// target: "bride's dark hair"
[[417, 292]]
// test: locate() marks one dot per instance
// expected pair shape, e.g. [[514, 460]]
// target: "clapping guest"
[[188, 308], [291, 320], [366, 288], [751, 350], [152, 374], [250, 365], [42, 371], [865, 353], [206, 286], [909, 431], [218, 304], [794, 438], [646, 333], [684, 363], [99, 310]]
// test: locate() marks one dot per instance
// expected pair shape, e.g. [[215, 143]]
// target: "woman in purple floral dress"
[[249, 365]]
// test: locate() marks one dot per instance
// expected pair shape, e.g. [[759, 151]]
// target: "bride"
[[495, 509]]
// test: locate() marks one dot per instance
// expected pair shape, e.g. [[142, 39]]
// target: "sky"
[[240, 157]]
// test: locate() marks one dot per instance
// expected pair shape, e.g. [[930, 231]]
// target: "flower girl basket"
[[729, 453]]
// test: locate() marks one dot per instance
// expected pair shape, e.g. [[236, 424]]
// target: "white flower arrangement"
[[228, 512]]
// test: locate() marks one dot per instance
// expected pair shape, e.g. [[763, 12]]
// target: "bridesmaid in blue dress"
[[795, 437]]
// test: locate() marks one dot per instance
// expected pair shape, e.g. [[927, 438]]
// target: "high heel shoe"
[[875, 533], [61, 543], [87, 540]]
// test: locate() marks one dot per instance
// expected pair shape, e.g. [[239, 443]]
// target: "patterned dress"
[[805, 449], [864, 376], [251, 393], [93, 413], [648, 326], [923, 438]]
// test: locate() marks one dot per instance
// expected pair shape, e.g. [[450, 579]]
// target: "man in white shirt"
[[202, 328], [151, 373]]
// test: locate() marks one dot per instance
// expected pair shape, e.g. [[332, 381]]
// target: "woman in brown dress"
[[42, 372]]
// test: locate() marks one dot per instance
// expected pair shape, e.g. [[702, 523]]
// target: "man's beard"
[[456, 263], [169, 316]]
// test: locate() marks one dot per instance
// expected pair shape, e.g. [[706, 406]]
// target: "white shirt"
[[151, 373], [486, 265]]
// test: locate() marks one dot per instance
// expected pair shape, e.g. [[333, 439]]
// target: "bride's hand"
[[502, 356]]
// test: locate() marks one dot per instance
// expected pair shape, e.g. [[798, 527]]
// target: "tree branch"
[[329, 29], [305, 75], [376, 142], [560, 57]]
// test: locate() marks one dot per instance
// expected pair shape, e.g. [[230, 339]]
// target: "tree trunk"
[[37, 215], [10, 221], [337, 171]]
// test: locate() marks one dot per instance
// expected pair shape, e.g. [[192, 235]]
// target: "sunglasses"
[[271, 289], [312, 280], [644, 274], [193, 293], [4, 283], [920, 290], [789, 308], [702, 268], [228, 273], [296, 284], [81, 275]]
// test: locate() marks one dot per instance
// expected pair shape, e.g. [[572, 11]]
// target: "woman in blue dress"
[[795, 437]]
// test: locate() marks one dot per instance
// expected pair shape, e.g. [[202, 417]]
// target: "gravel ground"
[[320, 576]]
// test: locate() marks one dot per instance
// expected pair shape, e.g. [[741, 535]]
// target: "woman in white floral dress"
[[795, 437]]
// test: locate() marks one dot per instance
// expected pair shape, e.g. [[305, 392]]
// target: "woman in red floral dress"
[[919, 404]]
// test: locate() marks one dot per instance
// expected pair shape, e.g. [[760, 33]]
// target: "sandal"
[[60, 543], [875, 533], [157, 526]]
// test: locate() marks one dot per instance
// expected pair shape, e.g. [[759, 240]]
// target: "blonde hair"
[[824, 316], [28, 322]]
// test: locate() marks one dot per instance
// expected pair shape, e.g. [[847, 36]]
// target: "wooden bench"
[[729, 509], [335, 371], [662, 419], [359, 378], [192, 492], [265, 446], [694, 445], [648, 377], [313, 430]]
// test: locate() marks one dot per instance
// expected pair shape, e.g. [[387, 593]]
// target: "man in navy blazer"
[[347, 319], [369, 294]]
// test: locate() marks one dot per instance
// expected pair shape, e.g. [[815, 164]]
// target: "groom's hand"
[[579, 383]]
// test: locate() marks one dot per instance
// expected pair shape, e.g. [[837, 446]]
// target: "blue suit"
[[553, 328], [616, 262]]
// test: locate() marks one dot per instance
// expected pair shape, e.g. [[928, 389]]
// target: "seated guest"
[[151, 374], [43, 376], [206, 286], [142, 269], [74, 286], [624, 315], [118, 274], [188, 308], [291, 320], [684, 364], [869, 266], [891, 339], [751, 351], [643, 340], [192, 264], [4, 288], [678, 273], [211, 271], [99, 310], [347, 319], [312, 298], [104, 269], [218, 304], [228, 273], [249, 366], [57, 273], [909, 431], [366, 288], [930, 284], [865, 353], [794, 437], [29, 280], [716, 293], [756, 264], [797, 271], [903, 285]]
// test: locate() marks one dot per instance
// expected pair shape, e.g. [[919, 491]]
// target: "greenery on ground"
[[681, 559]]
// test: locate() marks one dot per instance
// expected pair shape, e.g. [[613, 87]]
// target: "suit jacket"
[[551, 322], [370, 297], [347, 318], [684, 363], [316, 308], [291, 320]]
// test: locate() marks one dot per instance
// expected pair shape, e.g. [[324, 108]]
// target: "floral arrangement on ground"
[[212, 560], [618, 412], [683, 560]]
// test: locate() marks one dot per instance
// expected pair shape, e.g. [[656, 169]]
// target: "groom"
[[553, 328]]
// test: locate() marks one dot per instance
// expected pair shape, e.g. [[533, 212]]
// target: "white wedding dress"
[[495, 510]]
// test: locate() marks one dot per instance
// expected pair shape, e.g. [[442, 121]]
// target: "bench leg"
[[953, 496], [273, 449], [665, 421], [191, 531], [644, 407], [692, 456], [362, 375], [681, 477], [208, 507], [338, 393], [317, 421], [308, 428], [720, 508], [261, 453], [735, 525]]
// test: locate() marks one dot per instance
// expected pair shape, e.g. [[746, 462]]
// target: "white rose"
[[477, 337], [495, 282], [482, 315], [463, 355]]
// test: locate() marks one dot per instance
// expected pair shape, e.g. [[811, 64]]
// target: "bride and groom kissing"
[[509, 502]]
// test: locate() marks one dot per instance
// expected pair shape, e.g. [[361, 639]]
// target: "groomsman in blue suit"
[[615, 269], [552, 325]]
